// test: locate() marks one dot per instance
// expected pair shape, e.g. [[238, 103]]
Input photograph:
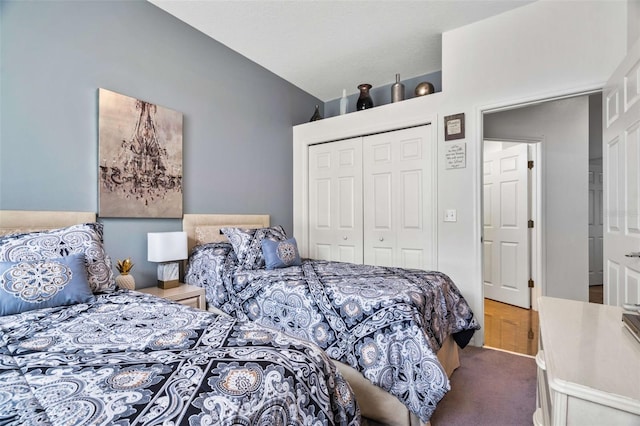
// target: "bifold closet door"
[[335, 201], [399, 206]]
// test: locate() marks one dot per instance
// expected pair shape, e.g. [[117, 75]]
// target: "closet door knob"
[[381, 238], [344, 238]]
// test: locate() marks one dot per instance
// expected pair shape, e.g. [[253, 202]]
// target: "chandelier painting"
[[140, 156]]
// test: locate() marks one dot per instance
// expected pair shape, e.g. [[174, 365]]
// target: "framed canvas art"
[[140, 158]]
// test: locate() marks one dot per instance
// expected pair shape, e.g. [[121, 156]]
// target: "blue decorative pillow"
[[247, 243], [84, 238], [280, 254], [25, 285]]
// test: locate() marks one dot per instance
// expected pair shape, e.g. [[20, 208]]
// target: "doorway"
[[565, 129], [510, 182]]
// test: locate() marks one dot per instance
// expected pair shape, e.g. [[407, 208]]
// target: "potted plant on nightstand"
[[125, 280]]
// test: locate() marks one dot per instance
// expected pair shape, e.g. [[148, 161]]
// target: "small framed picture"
[[454, 127]]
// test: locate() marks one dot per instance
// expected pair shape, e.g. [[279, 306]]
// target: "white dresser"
[[588, 366]]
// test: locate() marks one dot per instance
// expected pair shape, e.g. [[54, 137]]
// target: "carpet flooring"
[[490, 388]]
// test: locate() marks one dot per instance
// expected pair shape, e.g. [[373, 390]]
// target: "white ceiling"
[[324, 46]]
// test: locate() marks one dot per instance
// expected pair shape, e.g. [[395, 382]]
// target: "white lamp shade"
[[166, 246]]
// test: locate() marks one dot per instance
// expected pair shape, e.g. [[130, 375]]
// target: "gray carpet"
[[490, 388]]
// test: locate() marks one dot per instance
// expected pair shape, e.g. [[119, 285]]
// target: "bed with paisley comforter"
[[386, 323], [129, 358], [75, 350]]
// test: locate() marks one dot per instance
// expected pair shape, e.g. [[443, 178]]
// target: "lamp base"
[[168, 284], [168, 275]]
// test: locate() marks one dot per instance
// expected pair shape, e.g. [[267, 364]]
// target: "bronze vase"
[[364, 101]]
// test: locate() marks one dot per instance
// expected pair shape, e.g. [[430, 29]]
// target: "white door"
[[621, 161], [595, 224], [506, 232], [335, 201], [399, 206]]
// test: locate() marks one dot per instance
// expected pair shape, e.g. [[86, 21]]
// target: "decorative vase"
[[126, 281], [424, 88], [316, 115], [397, 90], [364, 101], [344, 102]]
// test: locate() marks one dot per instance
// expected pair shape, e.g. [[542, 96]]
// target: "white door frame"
[[535, 213], [538, 269], [478, 219]]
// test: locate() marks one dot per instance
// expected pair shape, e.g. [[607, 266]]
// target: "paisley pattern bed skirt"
[[131, 358], [387, 323]]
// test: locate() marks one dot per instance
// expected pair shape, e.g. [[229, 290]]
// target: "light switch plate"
[[450, 215]]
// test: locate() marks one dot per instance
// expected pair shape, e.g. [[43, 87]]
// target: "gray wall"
[[237, 149], [595, 127]]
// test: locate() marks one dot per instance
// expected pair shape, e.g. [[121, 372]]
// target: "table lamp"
[[167, 248]]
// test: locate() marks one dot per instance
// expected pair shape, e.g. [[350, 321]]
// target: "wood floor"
[[510, 328], [516, 329]]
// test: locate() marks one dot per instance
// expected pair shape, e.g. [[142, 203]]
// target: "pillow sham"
[[280, 254], [83, 239], [207, 266], [29, 285], [247, 243]]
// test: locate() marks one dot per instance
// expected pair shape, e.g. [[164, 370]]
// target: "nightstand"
[[185, 294]]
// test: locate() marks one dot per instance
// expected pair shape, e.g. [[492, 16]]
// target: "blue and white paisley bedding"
[[388, 323], [130, 358]]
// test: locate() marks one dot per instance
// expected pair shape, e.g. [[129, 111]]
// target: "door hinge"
[[530, 224], [530, 164], [531, 283]]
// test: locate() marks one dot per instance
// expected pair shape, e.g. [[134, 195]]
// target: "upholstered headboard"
[[14, 221], [205, 228]]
